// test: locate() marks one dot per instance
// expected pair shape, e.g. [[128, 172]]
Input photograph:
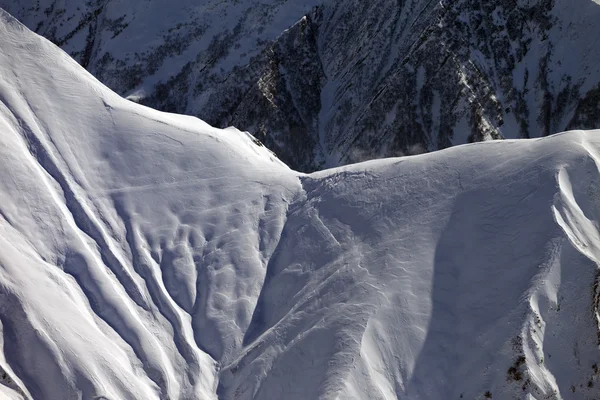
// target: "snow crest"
[[146, 255]]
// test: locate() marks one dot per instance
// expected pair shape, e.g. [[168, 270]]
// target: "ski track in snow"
[[146, 255]]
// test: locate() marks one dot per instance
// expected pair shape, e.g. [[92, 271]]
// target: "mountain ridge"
[[150, 255], [331, 82]]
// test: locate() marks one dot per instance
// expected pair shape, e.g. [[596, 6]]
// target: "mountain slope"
[[148, 255], [107, 208], [325, 83]]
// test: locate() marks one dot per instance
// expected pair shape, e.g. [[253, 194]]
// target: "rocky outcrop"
[[337, 81]]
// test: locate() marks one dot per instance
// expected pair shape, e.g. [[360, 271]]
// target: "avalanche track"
[[146, 255]]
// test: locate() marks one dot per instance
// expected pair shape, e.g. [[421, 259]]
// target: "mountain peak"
[[147, 255]]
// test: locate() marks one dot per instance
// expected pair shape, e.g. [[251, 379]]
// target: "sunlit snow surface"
[[146, 255]]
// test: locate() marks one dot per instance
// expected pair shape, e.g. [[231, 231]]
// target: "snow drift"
[[146, 255]]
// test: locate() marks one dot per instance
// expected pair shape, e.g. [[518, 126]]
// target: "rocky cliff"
[[328, 82]]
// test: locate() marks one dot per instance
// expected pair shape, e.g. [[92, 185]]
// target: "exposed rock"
[[331, 82]]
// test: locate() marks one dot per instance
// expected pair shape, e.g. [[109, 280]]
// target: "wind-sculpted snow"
[[146, 255], [138, 233]]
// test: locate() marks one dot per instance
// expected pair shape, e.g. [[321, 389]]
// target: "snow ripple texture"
[[146, 255]]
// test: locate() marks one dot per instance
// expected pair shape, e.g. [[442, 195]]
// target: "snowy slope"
[[131, 241], [147, 255]]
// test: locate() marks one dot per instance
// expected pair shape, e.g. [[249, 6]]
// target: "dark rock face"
[[331, 82], [277, 97]]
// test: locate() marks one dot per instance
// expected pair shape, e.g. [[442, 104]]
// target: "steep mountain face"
[[327, 82], [182, 56], [146, 255]]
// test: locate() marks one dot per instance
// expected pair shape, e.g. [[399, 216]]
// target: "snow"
[[146, 255]]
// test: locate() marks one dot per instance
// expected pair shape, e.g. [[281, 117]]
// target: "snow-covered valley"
[[146, 255]]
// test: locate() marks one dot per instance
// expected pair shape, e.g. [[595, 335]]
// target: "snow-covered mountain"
[[327, 82], [146, 255]]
